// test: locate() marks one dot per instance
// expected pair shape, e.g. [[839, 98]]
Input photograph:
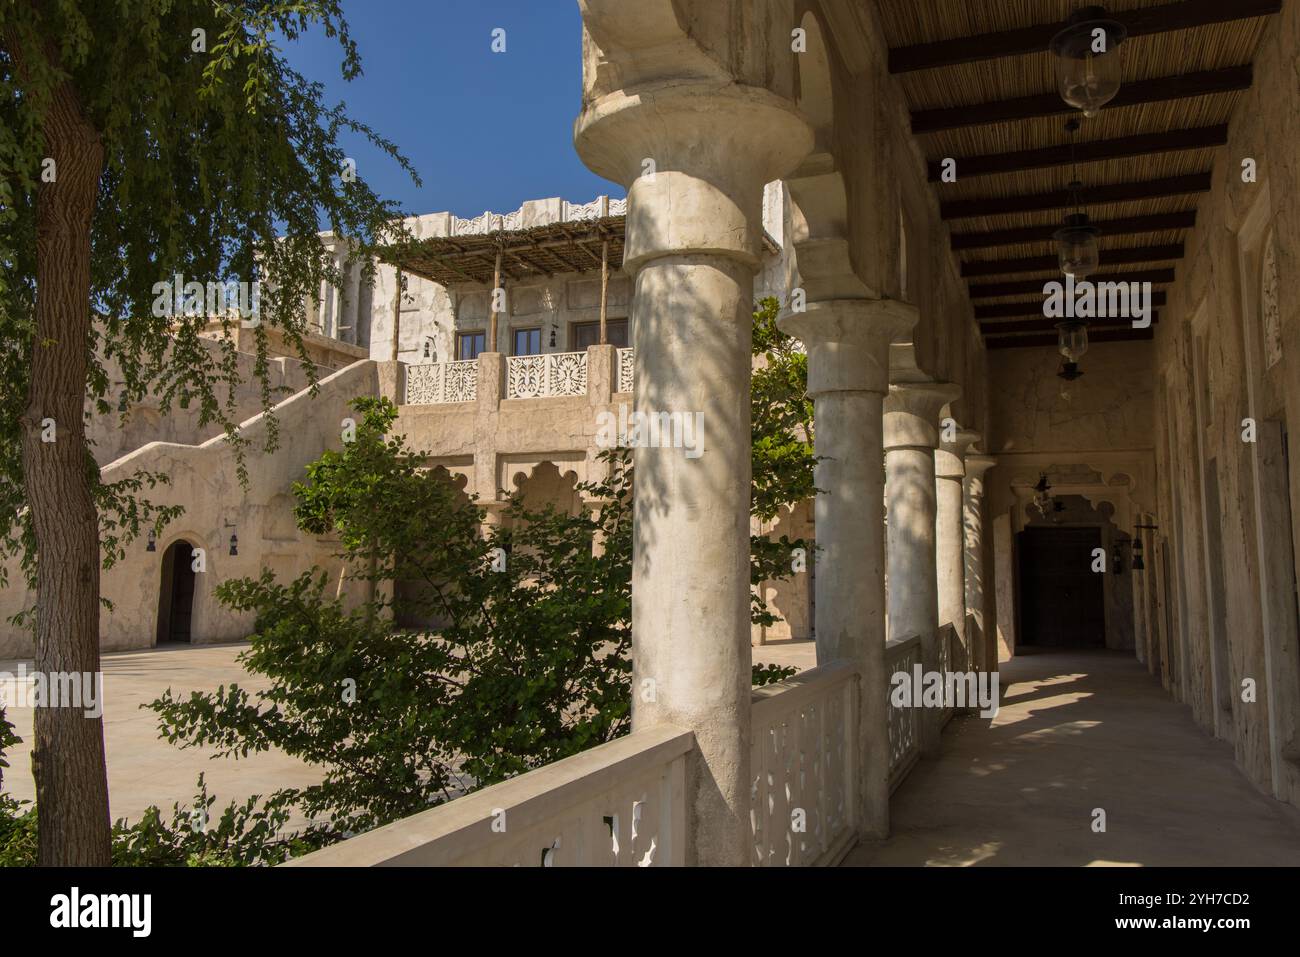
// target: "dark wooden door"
[[1062, 600], [182, 597]]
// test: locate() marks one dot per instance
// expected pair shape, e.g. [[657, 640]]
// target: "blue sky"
[[485, 130]]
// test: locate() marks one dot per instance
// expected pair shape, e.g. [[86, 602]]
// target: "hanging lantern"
[[234, 544], [1072, 339], [1138, 563], [1088, 62], [1071, 343], [152, 545], [1076, 246]]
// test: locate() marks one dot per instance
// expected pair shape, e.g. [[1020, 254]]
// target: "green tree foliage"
[[140, 141], [782, 417], [524, 658]]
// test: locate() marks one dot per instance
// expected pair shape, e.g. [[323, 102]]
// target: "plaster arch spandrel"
[[627, 45], [516, 471]]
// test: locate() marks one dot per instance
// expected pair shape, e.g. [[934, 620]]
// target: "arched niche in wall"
[[548, 485]]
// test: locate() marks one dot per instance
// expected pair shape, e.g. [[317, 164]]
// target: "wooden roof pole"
[[604, 287], [397, 315], [496, 284]]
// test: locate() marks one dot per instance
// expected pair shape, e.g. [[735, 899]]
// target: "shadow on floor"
[[1080, 731]]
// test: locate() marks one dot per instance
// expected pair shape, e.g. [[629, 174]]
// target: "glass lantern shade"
[[1087, 57], [1072, 340], [1076, 246]]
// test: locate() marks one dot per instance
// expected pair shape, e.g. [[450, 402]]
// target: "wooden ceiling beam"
[[1035, 39], [1020, 286], [1063, 198], [1141, 145], [1032, 308], [1158, 90], [1143, 254], [1049, 325], [1040, 234], [1049, 339]]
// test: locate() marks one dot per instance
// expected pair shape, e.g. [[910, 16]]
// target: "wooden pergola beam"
[[1035, 39], [1141, 145], [1041, 234], [1033, 307], [1142, 254], [1049, 325], [1063, 198], [1019, 286], [1049, 339], [518, 254], [1158, 90]]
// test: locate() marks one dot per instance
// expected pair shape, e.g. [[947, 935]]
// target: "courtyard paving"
[[145, 770]]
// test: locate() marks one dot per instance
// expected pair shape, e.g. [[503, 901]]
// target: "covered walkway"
[[1078, 731]]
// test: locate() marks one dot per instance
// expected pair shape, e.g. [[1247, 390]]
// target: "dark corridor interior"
[[1062, 600], [176, 596]]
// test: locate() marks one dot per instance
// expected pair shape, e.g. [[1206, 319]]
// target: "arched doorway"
[[176, 594]]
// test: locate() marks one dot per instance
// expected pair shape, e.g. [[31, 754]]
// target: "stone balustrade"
[[952, 657], [547, 374], [439, 382], [803, 754], [618, 805], [902, 654], [622, 804], [625, 359]]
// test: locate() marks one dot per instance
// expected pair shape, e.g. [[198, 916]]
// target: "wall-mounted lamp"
[[121, 402], [152, 544], [234, 544], [552, 337], [1138, 563], [1043, 495]]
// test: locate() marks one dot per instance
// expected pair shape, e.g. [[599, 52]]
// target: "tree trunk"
[[68, 749]]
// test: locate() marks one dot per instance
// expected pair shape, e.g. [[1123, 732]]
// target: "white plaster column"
[[911, 412], [694, 227], [950, 536], [983, 657], [848, 377]]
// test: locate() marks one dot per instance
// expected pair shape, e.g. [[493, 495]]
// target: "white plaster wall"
[[205, 481], [1217, 299]]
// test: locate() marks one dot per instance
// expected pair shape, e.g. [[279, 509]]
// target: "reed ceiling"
[[980, 83]]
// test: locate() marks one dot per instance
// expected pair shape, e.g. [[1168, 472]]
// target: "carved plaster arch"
[[821, 265], [516, 471]]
